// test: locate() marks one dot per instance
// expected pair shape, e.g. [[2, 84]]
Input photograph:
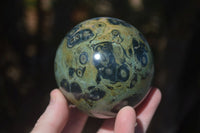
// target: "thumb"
[[55, 116], [125, 120]]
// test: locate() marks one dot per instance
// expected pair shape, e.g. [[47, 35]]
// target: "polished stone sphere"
[[102, 65]]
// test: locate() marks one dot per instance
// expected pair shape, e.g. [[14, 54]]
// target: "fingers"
[[55, 116], [76, 121], [147, 108], [125, 120]]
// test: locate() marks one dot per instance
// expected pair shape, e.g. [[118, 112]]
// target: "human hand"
[[58, 117]]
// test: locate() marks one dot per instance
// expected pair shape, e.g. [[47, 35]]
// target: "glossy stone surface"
[[102, 65]]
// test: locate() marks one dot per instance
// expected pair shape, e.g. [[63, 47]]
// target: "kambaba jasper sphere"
[[102, 65]]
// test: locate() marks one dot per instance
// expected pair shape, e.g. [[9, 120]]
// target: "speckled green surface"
[[102, 65]]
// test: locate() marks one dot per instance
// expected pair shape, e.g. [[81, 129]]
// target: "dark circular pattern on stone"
[[83, 58], [96, 94], [65, 84], [123, 73], [140, 51], [80, 72], [75, 88], [115, 32]]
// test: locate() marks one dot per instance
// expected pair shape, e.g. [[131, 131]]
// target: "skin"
[[60, 118]]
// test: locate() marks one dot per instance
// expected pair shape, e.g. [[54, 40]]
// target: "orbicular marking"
[[140, 52], [108, 71], [103, 55], [79, 37], [144, 60], [65, 84], [115, 32], [123, 73], [107, 66], [83, 58], [75, 88], [96, 94], [80, 71], [105, 63]]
